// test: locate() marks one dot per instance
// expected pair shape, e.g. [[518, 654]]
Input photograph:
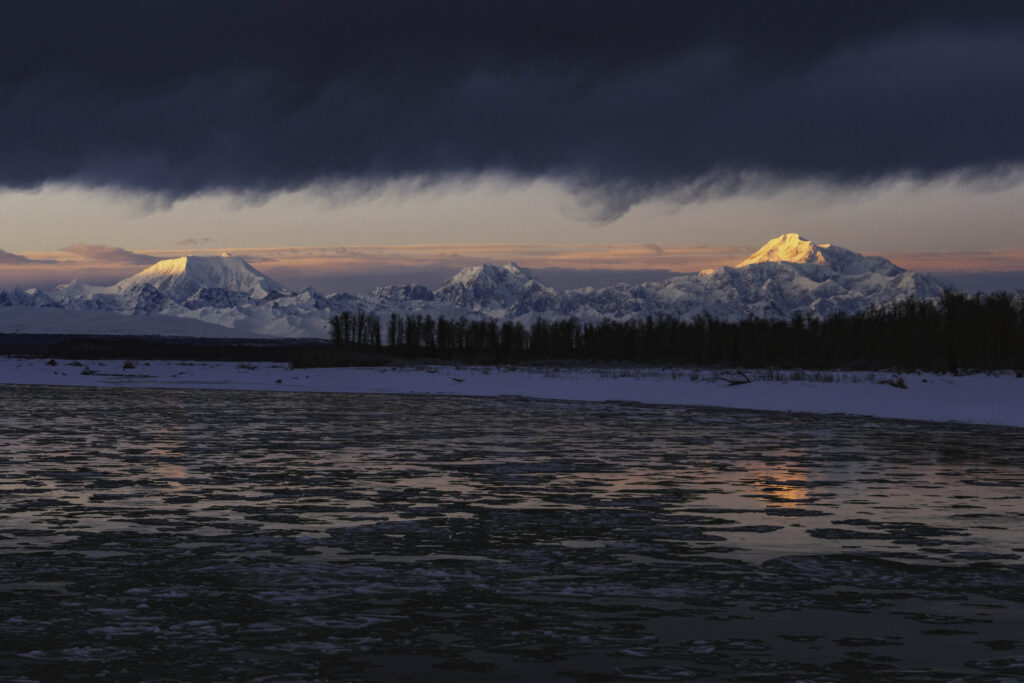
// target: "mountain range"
[[225, 296]]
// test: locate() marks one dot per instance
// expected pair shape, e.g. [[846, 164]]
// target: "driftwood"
[[734, 380], [895, 382]]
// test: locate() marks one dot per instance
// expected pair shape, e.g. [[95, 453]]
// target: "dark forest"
[[957, 332]]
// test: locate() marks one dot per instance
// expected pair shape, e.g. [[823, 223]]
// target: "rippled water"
[[219, 535]]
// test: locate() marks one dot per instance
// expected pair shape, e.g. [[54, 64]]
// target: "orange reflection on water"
[[171, 474], [781, 482]]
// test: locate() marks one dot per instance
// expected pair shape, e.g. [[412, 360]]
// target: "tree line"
[[959, 331]]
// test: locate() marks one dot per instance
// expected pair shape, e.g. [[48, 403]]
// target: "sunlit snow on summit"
[[787, 275]]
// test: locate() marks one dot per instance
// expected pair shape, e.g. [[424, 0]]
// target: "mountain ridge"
[[788, 275]]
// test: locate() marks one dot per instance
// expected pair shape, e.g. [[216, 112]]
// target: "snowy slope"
[[33, 320], [507, 291], [788, 275], [182, 278], [984, 399]]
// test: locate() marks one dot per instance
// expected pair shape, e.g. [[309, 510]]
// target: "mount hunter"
[[224, 296]]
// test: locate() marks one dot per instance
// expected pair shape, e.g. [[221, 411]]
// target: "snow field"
[[995, 399]]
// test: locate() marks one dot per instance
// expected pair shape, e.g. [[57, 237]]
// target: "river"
[[218, 535]]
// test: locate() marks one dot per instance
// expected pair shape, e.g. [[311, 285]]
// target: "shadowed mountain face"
[[788, 275]]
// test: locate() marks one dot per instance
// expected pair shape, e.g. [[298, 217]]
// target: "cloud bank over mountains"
[[109, 255], [10, 259], [617, 102], [359, 269]]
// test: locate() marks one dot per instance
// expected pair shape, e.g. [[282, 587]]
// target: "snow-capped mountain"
[[507, 291], [204, 280], [183, 278], [788, 275], [25, 297]]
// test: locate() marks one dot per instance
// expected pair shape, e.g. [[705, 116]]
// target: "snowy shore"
[[996, 399]]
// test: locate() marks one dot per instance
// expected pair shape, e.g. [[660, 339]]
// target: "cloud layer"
[[359, 269], [617, 101], [10, 259], [109, 255]]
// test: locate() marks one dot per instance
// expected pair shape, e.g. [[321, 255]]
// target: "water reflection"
[[375, 537], [780, 478]]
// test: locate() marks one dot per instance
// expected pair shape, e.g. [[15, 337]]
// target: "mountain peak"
[[180, 278], [491, 273], [492, 288], [789, 247]]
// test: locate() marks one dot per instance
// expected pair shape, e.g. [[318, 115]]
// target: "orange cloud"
[[958, 261], [610, 256], [8, 258], [298, 266], [100, 253]]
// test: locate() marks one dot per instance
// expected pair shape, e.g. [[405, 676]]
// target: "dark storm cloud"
[[618, 101]]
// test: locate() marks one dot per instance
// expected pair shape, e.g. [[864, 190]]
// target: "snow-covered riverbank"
[[996, 399]]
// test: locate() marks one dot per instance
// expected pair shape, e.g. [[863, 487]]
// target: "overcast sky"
[[184, 126]]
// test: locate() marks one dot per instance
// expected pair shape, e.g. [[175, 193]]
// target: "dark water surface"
[[189, 535]]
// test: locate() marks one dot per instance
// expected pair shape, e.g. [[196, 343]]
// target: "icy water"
[[186, 535]]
